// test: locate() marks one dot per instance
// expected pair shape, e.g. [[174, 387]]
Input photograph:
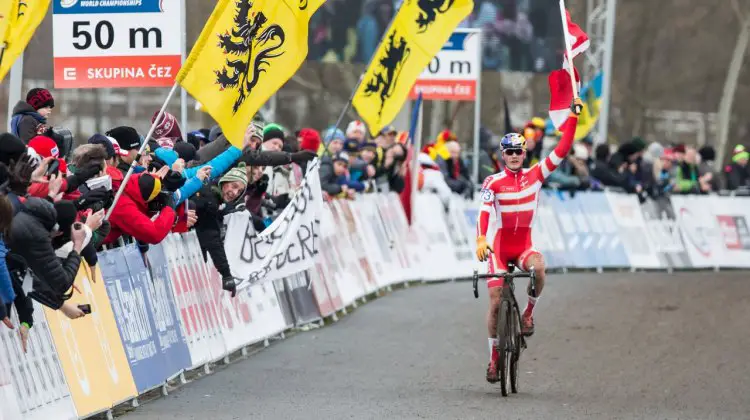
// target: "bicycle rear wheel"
[[515, 350], [503, 341]]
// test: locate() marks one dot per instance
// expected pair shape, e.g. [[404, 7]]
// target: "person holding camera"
[[33, 255], [141, 197]]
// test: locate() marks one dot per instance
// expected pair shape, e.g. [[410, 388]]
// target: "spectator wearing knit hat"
[[129, 142], [737, 173], [280, 180], [30, 116], [167, 127], [356, 130], [46, 148], [211, 205]]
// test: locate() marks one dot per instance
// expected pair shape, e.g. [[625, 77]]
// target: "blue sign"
[[607, 244], [125, 278], [172, 342], [573, 231], [107, 6]]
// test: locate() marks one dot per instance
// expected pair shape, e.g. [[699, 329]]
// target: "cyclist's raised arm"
[[568, 129]]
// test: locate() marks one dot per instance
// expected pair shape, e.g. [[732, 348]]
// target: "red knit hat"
[[309, 140]]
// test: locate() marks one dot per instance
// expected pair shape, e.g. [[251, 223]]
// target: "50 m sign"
[[99, 44]]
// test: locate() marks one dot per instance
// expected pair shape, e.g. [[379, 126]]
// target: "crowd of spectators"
[[53, 196], [518, 35], [646, 169]]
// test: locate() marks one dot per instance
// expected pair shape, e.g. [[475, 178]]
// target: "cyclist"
[[512, 195]]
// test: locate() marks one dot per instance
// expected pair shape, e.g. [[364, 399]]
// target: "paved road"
[[612, 346]]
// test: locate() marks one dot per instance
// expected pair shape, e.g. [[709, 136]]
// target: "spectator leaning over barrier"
[[131, 214], [32, 231], [737, 173], [30, 116], [129, 143], [211, 205], [688, 179]]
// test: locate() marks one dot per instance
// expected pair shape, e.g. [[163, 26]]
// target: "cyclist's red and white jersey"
[[513, 198]]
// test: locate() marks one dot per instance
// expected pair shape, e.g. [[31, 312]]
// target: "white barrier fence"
[[151, 324]]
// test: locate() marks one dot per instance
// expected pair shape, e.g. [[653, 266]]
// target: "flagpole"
[[568, 55], [417, 149], [349, 102], [143, 147]]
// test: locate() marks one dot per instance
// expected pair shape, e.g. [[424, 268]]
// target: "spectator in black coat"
[[31, 236], [454, 170], [601, 170], [737, 173]]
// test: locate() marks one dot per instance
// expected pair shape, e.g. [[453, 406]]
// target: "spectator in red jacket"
[[131, 214]]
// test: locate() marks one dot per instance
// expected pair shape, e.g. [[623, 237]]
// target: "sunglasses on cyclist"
[[511, 152]]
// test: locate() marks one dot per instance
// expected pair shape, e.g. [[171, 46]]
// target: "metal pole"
[[730, 87], [477, 114], [348, 103], [15, 88], [609, 40], [569, 56], [143, 146], [183, 92], [415, 160]]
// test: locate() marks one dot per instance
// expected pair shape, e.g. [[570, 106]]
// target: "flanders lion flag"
[[418, 32], [18, 22], [245, 53]]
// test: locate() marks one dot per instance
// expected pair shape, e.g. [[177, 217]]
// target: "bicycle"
[[510, 341]]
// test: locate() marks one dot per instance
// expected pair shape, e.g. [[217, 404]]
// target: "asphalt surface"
[[610, 346]]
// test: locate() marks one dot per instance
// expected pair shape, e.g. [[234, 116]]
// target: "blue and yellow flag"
[[245, 53], [418, 32], [18, 22]]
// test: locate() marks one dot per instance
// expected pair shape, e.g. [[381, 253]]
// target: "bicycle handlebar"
[[507, 276]]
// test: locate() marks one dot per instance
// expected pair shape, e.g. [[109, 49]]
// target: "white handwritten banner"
[[289, 245]]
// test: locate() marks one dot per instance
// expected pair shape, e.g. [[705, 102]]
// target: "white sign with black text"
[[289, 245]]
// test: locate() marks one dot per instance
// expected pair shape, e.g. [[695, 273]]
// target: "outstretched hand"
[[577, 106]]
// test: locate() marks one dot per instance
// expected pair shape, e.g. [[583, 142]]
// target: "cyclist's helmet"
[[513, 141]]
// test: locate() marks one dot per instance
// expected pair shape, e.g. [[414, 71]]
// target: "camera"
[[163, 199]]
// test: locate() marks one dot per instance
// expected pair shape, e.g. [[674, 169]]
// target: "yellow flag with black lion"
[[418, 32], [245, 53]]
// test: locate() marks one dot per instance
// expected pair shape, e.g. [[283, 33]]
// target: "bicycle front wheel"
[[503, 341]]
